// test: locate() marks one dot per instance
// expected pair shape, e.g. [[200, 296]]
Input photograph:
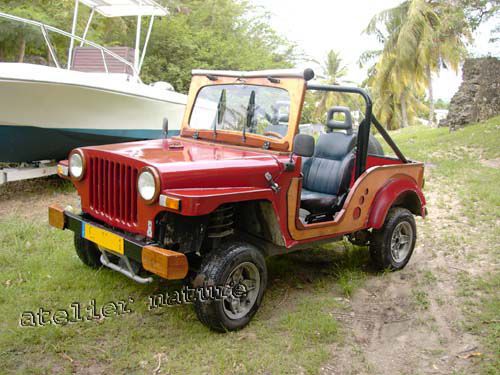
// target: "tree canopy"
[[217, 34], [419, 38]]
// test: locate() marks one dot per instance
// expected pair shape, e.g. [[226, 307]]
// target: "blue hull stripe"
[[133, 134], [30, 143]]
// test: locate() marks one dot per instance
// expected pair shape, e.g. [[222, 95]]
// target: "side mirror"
[[165, 128], [303, 145]]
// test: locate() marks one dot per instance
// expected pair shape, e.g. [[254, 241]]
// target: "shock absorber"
[[221, 223]]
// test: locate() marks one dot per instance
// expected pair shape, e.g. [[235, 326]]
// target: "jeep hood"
[[194, 164]]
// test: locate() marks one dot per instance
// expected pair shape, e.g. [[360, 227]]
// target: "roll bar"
[[364, 127]]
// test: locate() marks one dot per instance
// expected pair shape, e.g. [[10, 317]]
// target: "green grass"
[[454, 158], [482, 308], [421, 299], [292, 332]]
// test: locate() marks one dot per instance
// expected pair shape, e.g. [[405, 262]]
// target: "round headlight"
[[146, 185], [76, 165]]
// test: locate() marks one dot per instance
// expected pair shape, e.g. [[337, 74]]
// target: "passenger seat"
[[327, 174]]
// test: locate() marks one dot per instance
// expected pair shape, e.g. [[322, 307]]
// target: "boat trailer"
[[26, 171]]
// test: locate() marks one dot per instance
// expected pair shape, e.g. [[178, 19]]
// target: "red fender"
[[401, 191], [196, 202]]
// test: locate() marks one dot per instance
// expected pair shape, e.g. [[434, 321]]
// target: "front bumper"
[[165, 263]]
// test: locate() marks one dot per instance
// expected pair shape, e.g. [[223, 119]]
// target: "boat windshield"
[[251, 109]]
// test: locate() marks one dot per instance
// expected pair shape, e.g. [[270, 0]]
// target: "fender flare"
[[401, 191]]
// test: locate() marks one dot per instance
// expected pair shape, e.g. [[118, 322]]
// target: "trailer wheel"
[[392, 246], [87, 251], [237, 275]]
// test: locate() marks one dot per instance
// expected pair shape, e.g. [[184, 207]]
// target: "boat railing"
[[46, 28]]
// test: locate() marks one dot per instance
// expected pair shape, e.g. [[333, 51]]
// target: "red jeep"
[[240, 184]]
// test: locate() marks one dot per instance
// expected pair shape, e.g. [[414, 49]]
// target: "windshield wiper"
[[250, 113], [221, 108]]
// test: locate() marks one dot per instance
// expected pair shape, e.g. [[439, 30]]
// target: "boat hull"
[[19, 144], [45, 117]]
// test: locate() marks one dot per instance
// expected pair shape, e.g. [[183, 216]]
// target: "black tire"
[[381, 254], [215, 271], [374, 146], [87, 251]]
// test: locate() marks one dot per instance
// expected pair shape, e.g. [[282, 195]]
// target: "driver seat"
[[327, 174]]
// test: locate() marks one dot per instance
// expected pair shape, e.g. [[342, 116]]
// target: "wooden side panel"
[[356, 211]]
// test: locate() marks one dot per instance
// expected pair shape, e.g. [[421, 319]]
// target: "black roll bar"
[[388, 139], [364, 127]]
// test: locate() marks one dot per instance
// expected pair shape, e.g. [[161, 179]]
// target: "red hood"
[[195, 164]]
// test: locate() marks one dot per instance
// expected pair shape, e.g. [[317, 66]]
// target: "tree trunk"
[[404, 113], [22, 50], [432, 116]]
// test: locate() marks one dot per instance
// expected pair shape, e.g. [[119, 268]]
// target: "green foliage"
[[442, 104], [478, 11], [218, 34], [317, 103], [16, 39], [420, 37]]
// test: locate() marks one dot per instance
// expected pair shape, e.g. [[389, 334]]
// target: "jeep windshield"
[[250, 109]]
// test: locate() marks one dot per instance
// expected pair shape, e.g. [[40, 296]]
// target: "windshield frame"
[[295, 88]]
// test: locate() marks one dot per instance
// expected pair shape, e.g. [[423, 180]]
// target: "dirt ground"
[[29, 199], [411, 322]]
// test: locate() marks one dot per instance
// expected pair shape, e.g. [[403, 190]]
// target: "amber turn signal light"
[[170, 202]]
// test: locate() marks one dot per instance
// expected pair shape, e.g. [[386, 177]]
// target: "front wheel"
[[239, 270], [392, 246]]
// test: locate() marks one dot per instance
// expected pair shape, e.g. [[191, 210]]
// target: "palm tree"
[[332, 71], [402, 29], [397, 96], [447, 46], [419, 37]]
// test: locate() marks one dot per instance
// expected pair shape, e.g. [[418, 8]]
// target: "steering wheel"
[[273, 134]]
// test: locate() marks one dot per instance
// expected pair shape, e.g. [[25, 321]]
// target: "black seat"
[[327, 174]]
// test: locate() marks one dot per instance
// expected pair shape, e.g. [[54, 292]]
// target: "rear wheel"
[[239, 270], [392, 246], [87, 251]]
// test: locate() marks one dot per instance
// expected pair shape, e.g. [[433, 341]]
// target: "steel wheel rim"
[[242, 289], [401, 241]]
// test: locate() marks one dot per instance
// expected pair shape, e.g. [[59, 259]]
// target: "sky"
[[320, 25]]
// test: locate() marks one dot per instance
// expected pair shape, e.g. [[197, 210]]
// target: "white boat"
[[98, 98]]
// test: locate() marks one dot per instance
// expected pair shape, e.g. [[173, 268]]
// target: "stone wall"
[[478, 97]]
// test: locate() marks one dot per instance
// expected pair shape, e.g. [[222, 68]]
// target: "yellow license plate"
[[103, 238]]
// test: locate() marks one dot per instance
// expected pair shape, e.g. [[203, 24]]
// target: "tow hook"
[[272, 184]]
